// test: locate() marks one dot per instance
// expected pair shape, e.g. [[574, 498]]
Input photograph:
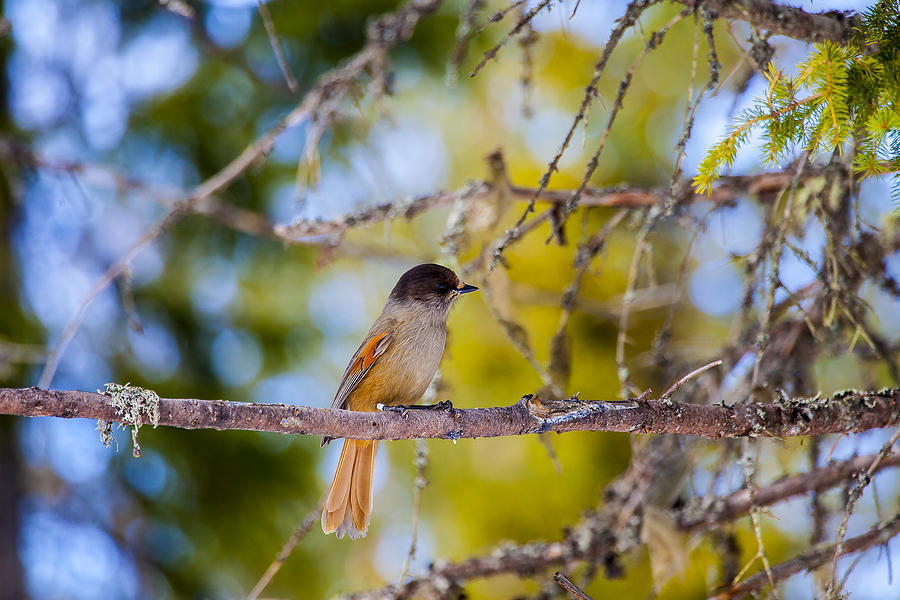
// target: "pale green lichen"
[[130, 403], [106, 437]]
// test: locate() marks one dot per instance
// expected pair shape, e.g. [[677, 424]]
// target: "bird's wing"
[[360, 364]]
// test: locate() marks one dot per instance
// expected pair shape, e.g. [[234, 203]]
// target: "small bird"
[[393, 367]]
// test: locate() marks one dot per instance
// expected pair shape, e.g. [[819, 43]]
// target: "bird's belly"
[[400, 376]]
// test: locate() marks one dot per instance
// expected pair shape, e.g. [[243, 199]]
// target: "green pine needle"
[[841, 98]]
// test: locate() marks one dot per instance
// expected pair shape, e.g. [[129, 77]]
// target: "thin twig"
[[632, 12], [690, 110], [709, 16], [277, 48], [296, 538], [750, 486], [855, 494], [655, 213], [559, 364], [523, 21], [101, 284], [566, 583], [688, 377], [526, 42], [656, 39], [464, 34], [762, 342], [421, 463], [499, 15]]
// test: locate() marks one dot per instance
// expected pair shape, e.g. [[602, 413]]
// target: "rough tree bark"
[[850, 411], [786, 20]]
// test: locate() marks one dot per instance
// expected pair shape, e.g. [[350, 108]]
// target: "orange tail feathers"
[[349, 504]]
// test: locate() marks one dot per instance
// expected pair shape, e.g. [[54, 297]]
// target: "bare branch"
[[656, 39], [818, 480], [690, 376], [464, 34], [566, 584], [277, 48], [296, 538], [421, 463], [785, 20], [632, 12], [537, 556], [812, 560], [523, 21], [726, 190], [850, 411], [855, 494]]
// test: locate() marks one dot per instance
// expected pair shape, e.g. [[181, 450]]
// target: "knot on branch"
[[761, 51], [555, 412], [130, 402]]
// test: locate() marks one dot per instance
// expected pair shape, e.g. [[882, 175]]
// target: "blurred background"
[[113, 109]]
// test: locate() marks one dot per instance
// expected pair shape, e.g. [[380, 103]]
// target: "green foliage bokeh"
[[232, 498]]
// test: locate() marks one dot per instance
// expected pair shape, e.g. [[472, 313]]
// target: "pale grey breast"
[[420, 346], [417, 345]]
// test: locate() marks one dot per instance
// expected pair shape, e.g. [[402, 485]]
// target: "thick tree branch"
[[784, 20], [850, 411], [811, 560], [726, 190], [817, 480]]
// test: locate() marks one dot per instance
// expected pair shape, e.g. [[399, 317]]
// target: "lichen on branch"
[[130, 402]]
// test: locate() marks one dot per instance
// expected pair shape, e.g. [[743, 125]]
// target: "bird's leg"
[[442, 405]]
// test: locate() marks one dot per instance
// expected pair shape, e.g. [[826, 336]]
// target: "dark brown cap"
[[429, 281]]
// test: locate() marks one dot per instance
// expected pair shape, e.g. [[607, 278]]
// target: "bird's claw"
[[399, 408]]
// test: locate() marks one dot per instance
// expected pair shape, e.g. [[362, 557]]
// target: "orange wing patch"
[[367, 357], [359, 365]]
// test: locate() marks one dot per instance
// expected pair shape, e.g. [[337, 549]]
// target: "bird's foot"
[[442, 405], [398, 408]]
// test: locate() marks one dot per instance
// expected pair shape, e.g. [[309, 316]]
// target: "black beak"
[[465, 289]]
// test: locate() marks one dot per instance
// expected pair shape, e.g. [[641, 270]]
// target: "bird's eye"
[[442, 288]]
